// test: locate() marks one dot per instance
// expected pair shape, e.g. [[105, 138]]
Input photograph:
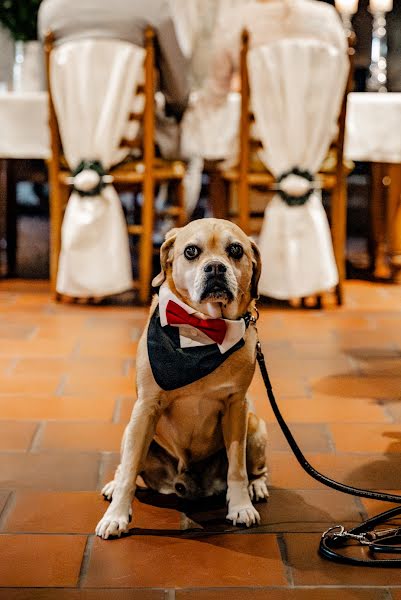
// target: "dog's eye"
[[235, 251], [192, 252]]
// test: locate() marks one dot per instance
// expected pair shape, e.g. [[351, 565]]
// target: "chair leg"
[[218, 196], [57, 196], [377, 221], [146, 244], [339, 294], [10, 190], [318, 299], [182, 214], [339, 231], [394, 222], [243, 205]]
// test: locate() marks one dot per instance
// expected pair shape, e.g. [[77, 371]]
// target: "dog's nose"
[[180, 489], [215, 268]]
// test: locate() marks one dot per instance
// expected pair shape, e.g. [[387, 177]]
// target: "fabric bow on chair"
[[93, 83], [297, 87]]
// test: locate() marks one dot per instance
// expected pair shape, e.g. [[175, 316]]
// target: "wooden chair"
[[244, 176], [143, 173]]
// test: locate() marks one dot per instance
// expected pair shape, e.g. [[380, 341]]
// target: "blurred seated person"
[[267, 21], [127, 20], [195, 23]]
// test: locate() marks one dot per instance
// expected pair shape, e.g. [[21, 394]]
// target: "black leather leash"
[[379, 541]]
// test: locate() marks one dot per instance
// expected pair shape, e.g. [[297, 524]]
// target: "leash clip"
[[339, 531]]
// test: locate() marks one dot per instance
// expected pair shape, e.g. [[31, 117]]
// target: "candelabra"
[[347, 8], [377, 81]]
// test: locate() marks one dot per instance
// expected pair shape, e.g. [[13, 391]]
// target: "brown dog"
[[191, 430]]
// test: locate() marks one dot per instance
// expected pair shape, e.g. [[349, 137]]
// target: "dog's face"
[[211, 263]]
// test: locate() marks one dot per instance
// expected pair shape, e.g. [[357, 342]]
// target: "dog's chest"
[[190, 428]]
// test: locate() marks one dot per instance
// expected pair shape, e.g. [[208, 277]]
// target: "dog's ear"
[[165, 256], [256, 269]]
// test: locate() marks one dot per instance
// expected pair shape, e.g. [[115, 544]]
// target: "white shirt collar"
[[235, 329]]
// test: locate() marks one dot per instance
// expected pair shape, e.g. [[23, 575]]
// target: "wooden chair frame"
[[145, 173], [245, 178]]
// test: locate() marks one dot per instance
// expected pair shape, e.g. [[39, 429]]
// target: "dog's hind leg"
[[160, 470], [159, 473], [256, 457]]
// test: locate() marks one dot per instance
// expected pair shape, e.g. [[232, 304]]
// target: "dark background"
[[363, 30]]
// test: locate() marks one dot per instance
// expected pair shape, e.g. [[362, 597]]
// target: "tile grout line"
[[127, 364], [76, 350], [11, 368], [85, 560], [361, 508], [61, 385], [116, 417], [33, 333], [284, 558], [9, 505], [101, 471], [383, 403], [36, 437], [329, 438]]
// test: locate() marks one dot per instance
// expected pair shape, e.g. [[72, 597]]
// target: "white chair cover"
[[93, 84], [297, 88]]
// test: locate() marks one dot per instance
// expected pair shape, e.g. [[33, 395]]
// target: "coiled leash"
[[387, 541]]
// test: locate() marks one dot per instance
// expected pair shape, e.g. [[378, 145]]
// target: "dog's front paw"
[[258, 489], [243, 515], [108, 490], [113, 524]]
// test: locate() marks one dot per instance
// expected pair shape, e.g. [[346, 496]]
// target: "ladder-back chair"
[[142, 173], [245, 176]]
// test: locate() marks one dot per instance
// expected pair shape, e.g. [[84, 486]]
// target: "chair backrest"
[[142, 114], [248, 141]]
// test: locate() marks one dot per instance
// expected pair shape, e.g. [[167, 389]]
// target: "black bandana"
[[174, 367]]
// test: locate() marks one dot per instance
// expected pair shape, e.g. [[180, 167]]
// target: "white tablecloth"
[[373, 131], [373, 126], [24, 131]]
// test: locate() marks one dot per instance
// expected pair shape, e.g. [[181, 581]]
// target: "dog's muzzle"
[[216, 285]]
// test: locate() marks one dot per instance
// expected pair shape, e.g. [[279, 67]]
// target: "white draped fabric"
[[93, 84], [186, 16], [211, 131], [296, 88]]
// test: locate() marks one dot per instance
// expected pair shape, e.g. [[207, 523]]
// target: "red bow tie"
[[215, 329]]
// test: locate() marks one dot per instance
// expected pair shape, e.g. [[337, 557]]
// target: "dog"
[[192, 431]]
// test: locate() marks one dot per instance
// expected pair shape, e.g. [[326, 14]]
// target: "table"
[[24, 135], [23, 125], [373, 135]]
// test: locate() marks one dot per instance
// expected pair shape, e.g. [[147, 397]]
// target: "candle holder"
[[377, 81], [347, 24], [347, 9]]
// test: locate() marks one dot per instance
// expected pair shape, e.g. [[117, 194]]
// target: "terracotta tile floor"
[[66, 391]]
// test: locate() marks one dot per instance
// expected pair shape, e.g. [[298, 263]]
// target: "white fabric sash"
[[93, 84], [297, 88]]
